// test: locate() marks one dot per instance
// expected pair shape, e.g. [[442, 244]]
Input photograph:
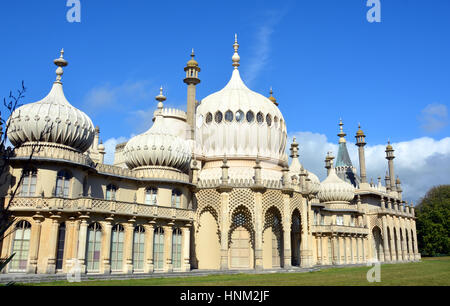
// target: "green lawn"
[[429, 272]]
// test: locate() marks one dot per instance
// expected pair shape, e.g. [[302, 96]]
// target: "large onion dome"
[[240, 123], [52, 120], [160, 146], [335, 189]]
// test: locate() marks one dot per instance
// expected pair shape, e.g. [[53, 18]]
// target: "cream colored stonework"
[[191, 193]]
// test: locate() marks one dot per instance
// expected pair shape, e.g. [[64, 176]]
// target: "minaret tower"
[[361, 142], [192, 69], [390, 157]]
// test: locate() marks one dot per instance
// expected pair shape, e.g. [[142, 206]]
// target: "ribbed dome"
[[239, 122], [158, 147], [335, 189], [315, 182], [53, 119]]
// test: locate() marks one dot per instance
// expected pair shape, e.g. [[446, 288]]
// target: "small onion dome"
[[272, 98], [158, 147], [389, 147], [192, 62], [335, 189], [53, 119], [101, 147], [359, 132]]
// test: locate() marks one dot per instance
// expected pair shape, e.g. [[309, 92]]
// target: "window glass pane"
[[229, 116]]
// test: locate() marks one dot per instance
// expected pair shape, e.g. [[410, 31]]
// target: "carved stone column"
[[168, 231], [385, 240], [107, 246], [319, 249], [128, 246], [35, 243], [149, 233], [186, 247], [225, 225], [52, 245], [82, 236], [335, 241], [286, 230]]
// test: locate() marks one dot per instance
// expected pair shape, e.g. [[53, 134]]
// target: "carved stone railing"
[[99, 206], [333, 228]]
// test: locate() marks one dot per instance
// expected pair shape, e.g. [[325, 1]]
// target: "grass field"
[[429, 272]]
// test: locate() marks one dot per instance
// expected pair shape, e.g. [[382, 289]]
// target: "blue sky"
[[323, 59]]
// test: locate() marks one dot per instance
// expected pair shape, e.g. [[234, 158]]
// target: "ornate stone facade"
[[209, 188]]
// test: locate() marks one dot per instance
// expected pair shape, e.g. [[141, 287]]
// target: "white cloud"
[[118, 97], [420, 163], [261, 52], [434, 117], [110, 148]]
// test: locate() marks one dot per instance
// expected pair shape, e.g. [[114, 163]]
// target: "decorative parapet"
[[52, 151], [99, 206], [172, 112], [339, 229], [239, 183]]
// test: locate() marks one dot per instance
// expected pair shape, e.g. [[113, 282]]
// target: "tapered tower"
[[361, 142], [192, 69], [390, 157]]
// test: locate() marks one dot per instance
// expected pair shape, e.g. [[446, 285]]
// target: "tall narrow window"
[[158, 248], [111, 192], [176, 198], [29, 183], [63, 184], [176, 248], [94, 242], [322, 219], [340, 220], [60, 246], [138, 248], [151, 196], [21, 246], [117, 238]]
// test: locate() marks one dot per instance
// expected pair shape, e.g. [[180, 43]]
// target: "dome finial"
[[271, 97], [160, 98], [60, 62], [236, 58], [341, 131]]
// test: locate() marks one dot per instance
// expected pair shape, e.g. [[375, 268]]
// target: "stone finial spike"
[[236, 58], [60, 62], [160, 98]]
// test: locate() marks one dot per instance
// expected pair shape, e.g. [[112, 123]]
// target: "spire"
[[271, 97], [160, 98], [60, 62], [343, 158], [236, 58], [294, 148]]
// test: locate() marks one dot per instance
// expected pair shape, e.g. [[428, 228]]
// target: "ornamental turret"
[[192, 69]]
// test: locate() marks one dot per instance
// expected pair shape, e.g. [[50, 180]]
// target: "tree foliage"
[[433, 222]]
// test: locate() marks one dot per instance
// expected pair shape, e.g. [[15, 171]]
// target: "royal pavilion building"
[[212, 188]]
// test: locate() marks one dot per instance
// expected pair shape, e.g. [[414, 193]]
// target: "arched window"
[[63, 184], [275, 120], [60, 246], [21, 246], [117, 237], [29, 182], [269, 119], [158, 248], [250, 116], [218, 117], [138, 248], [229, 116], [208, 118], [151, 196], [260, 117], [94, 242], [176, 248], [176, 198], [239, 116], [111, 192]]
